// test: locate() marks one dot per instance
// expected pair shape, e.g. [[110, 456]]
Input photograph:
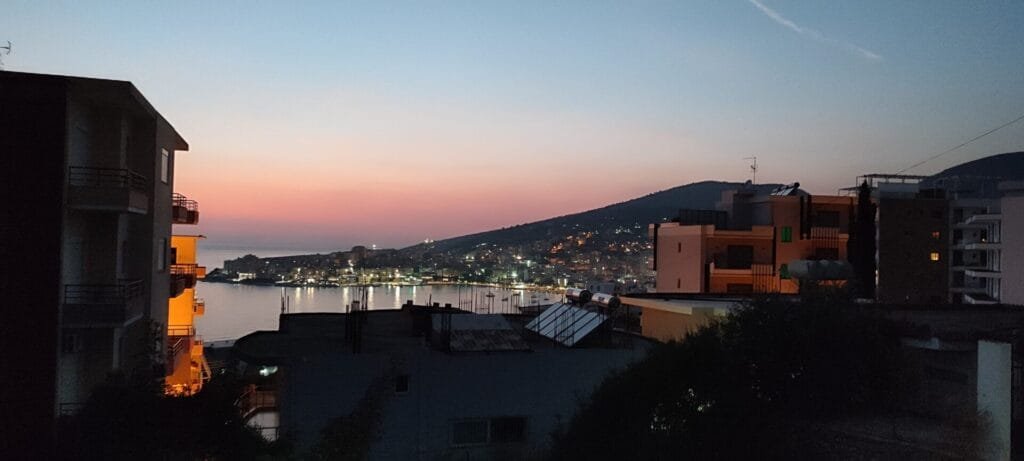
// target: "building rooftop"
[[103, 91]]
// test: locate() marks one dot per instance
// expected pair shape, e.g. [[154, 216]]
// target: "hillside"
[[1008, 166], [633, 215]]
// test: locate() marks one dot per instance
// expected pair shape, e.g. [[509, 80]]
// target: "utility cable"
[[922, 162]]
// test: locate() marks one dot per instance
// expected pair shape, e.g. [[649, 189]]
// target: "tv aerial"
[[753, 169], [4, 51]]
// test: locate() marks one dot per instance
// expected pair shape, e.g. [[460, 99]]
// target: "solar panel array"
[[566, 323]]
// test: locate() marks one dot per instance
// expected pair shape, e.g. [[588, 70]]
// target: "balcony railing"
[[182, 276], [184, 210], [177, 350], [255, 400], [181, 330], [106, 177], [107, 189], [102, 305]]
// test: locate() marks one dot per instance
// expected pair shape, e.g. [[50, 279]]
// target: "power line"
[[922, 162]]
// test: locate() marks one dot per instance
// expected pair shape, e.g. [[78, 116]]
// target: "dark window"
[[680, 247], [787, 234], [740, 257], [826, 219], [826, 253], [679, 283], [402, 384], [471, 432], [507, 430], [938, 214], [945, 375], [784, 271], [71, 343], [739, 288]]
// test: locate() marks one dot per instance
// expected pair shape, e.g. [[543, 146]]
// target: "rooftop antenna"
[[4, 51], [753, 169]]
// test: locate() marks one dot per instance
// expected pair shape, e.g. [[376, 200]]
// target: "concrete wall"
[[906, 274], [995, 366], [32, 130], [671, 326], [1013, 250], [680, 258]]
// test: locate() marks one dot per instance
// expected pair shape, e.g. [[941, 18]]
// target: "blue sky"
[[332, 101]]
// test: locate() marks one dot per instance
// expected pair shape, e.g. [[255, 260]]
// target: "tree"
[[729, 389]]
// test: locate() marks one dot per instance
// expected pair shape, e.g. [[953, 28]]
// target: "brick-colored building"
[[750, 242]]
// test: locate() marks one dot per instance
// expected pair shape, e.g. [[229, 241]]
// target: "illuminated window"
[[934, 256], [936, 235]]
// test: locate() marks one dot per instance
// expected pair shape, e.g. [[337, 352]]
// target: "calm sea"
[[233, 310]]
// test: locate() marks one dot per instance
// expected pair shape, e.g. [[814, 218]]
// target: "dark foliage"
[[349, 437], [132, 422], [726, 391]]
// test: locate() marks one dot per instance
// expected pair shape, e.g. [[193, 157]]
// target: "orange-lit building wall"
[[189, 367]]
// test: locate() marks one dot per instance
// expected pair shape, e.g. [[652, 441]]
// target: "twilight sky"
[[328, 124]]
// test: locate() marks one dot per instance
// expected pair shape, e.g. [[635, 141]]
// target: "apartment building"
[[88, 176], [754, 243], [986, 241]]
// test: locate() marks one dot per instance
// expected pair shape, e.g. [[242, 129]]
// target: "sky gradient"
[[326, 125]]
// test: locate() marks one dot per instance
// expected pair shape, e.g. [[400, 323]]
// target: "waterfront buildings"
[[750, 242], [87, 169]]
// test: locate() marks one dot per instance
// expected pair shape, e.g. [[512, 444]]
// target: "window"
[[739, 257], [401, 384], [826, 219], [826, 253], [934, 256], [679, 248], [739, 288], [506, 429], [936, 235], [787, 234], [165, 166], [161, 254], [679, 283], [71, 343], [472, 432]]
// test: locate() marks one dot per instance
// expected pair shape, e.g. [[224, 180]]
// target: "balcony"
[[183, 210], [983, 273], [979, 298], [984, 218], [183, 276], [102, 306], [177, 352], [982, 246], [118, 190]]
